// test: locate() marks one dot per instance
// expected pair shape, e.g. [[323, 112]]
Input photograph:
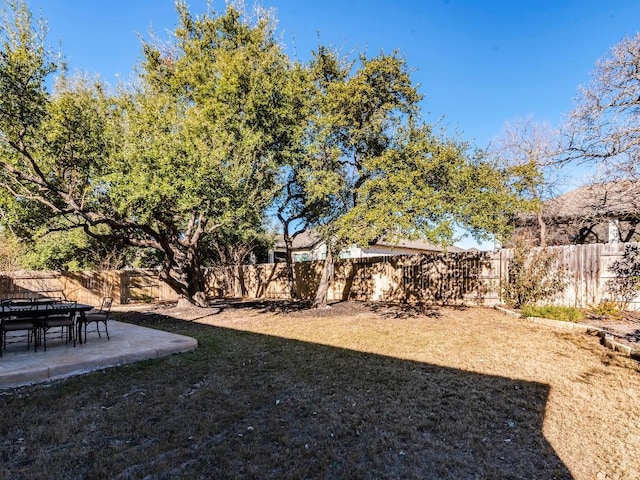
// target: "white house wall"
[[377, 251], [319, 252]]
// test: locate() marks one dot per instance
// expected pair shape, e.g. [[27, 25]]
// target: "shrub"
[[626, 283], [607, 309], [566, 314], [534, 275]]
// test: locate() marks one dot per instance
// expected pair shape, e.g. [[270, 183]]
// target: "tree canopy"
[[604, 128], [192, 147], [371, 168], [528, 151], [220, 128]]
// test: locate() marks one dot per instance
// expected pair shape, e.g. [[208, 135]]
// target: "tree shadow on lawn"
[[407, 309], [246, 405], [278, 306], [304, 307]]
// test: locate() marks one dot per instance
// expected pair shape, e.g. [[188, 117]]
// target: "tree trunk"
[[543, 230], [288, 243], [241, 281], [235, 275], [325, 282], [186, 279]]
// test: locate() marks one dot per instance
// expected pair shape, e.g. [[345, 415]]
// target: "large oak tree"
[[191, 148], [374, 169]]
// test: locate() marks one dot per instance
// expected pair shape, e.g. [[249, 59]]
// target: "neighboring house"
[[599, 213], [308, 246]]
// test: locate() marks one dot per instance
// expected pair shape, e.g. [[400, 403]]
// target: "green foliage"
[[607, 309], [192, 147], [386, 173], [58, 251], [534, 275], [25, 63], [220, 127], [74, 250], [237, 246], [11, 251], [375, 170], [565, 314], [625, 285]]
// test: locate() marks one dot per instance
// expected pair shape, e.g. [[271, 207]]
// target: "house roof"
[[417, 245], [599, 200], [305, 240], [611, 199], [309, 239]]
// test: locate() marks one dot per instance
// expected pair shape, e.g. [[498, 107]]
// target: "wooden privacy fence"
[[446, 278], [452, 278], [125, 286]]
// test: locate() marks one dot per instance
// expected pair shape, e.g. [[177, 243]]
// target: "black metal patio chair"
[[57, 318], [98, 316], [10, 324]]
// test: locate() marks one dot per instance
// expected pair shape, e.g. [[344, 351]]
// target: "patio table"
[[42, 309], [38, 311]]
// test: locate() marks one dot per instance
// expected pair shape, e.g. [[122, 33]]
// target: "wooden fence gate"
[[139, 286]]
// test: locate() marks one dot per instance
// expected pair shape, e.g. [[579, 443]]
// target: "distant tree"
[[604, 127], [11, 252], [528, 152], [192, 147], [232, 247]]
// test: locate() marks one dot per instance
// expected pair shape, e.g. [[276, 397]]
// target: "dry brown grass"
[[350, 392]]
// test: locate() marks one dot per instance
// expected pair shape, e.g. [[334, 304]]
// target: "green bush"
[[535, 274], [566, 314], [607, 308]]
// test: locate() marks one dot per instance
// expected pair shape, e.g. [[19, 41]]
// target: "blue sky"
[[479, 63]]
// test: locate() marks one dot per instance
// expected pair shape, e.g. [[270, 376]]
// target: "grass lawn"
[[348, 392]]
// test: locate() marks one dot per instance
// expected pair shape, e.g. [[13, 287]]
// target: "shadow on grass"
[[246, 405], [283, 307], [277, 306], [406, 310]]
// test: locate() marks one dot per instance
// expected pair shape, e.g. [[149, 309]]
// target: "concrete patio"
[[128, 344]]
